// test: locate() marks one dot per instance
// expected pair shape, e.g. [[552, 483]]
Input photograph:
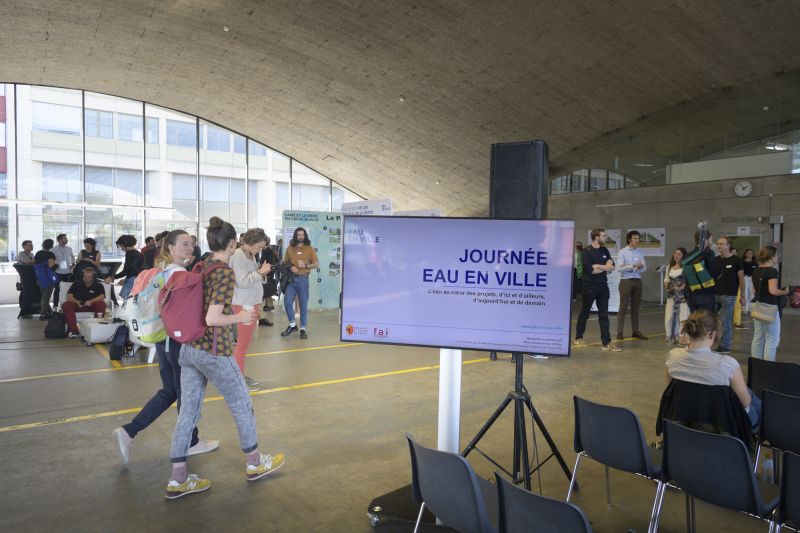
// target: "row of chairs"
[[714, 468]]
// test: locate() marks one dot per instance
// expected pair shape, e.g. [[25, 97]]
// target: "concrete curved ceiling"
[[323, 81]]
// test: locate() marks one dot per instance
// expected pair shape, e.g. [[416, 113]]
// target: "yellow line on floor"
[[103, 350], [648, 335], [120, 366], [94, 416]]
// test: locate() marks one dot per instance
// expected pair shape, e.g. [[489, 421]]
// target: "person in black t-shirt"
[[86, 296], [134, 264], [730, 278], [45, 255], [597, 262], [767, 335]]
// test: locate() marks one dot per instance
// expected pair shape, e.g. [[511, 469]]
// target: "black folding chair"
[[779, 425], [521, 510], [772, 375], [613, 437], [716, 469], [789, 508], [446, 484]]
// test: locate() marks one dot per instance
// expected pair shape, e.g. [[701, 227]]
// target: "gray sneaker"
[[123, 442], [611, 346]]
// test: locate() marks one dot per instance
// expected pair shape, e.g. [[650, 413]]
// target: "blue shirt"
[[625, 261]]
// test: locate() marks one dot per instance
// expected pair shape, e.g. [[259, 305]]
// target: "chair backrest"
[[789, 507], [521, 510], [712, 408], [449, 488], [613, 436], [780, 423], [714, 468], [772, 375]]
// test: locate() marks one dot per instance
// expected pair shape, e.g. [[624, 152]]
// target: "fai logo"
[[378, 332], [349, 329]]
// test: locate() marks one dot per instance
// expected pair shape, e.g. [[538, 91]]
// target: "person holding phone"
[[249, 291]]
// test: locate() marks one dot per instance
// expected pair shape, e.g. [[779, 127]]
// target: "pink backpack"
[[181, 304], [143, 280]]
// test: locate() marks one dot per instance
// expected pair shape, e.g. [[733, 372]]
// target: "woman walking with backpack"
[[210, 358], [176, 251]]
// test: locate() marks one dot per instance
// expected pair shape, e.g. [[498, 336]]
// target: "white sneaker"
[[123, 442], [203, 446]]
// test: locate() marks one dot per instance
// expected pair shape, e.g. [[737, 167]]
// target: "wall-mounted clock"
[[743, 188]]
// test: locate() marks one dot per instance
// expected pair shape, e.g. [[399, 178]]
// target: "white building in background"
[[94, 165]]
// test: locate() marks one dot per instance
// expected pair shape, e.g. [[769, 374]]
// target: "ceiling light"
[[645, 165], [226, 28], [765, 108], [778, 147], [402, 98]]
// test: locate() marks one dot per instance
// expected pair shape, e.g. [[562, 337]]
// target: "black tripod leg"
[[486, 426], [522, 443], [553, 447]]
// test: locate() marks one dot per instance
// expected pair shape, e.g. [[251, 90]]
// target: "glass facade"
[[94, 165]]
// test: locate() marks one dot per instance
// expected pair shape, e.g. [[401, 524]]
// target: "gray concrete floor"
[[338, 411]]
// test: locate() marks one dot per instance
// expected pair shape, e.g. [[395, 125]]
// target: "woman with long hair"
[[176, 252], [249, 291], [676, 310], [749, 265], [210, 358], [698, 363], [766, 335]]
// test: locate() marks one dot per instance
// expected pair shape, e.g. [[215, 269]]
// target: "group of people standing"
[[735, 282]]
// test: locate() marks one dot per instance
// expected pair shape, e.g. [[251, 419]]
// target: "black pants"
[[630, 291], [591, 294], [697, 301], [170, 391]]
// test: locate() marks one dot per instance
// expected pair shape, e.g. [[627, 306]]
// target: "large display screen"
[[481, 284]]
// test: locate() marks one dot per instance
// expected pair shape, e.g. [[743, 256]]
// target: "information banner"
[[651, 241], [380, 206], [325, 232], [481, 284]]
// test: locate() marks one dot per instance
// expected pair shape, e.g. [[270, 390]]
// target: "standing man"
[[702, 293], [304, 260], [87, 295], [630, 263], [597, 263], [729, 279], [65, 259]]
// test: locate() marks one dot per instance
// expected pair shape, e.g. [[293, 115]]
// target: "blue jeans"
[[299, 287], [754, 414], [725, 305], [766, 337], [197, 369], [127, 286], [170, 391]]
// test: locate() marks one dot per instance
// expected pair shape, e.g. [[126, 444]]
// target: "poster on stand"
[[651, 241], [614, 240], [324, 229]]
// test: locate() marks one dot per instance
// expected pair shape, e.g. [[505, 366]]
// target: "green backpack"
[[695, 272]]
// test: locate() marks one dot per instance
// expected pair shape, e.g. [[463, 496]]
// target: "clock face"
[[743, 188]]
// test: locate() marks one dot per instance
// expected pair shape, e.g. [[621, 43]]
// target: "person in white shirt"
[[65, 260], [630, 264]]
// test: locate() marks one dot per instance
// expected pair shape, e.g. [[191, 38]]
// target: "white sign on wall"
[[651, 241], [435, 212], [380, 206]]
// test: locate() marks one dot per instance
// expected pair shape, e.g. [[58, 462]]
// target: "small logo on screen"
[[380, 332], [350, 329]]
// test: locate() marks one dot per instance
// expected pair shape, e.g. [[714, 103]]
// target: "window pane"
[[7, 143], [598, 181], [56, 118], [124, 158], [106, 226], [4, 245], [181, 133], [130, 127], [99, 123], [152, 130], [268, 190], [99, 185], [239, 144], [219, 140], [61, 183], [310, 190], [46, 221], [224, 173]]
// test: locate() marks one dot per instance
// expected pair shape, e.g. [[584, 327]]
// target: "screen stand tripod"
[[521, 399]]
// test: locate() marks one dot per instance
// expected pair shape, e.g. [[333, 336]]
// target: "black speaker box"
[[518, 184]]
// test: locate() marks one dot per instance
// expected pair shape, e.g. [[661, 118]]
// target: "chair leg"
[[652, 526], [690, 521], [758, 457], [608, 488], [419, 518], [659, 506], [574, 476]]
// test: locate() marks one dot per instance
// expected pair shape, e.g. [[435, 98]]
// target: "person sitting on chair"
[[85, 296], [698, 363]]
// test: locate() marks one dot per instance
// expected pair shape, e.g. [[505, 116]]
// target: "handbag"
[[760, 310]]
